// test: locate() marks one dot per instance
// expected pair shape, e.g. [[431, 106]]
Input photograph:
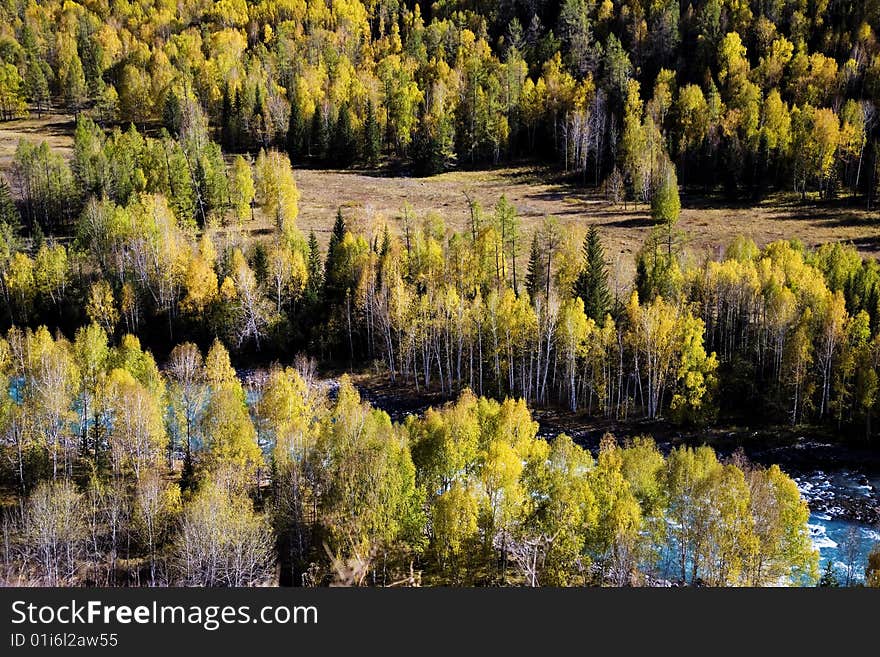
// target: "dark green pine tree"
[[38, 236], [295, 132], [536, 274], [338, 229], [372, 136], [643, 284], [258, 127], [172, 115], [259, 102], [318, 141], [180, 181], [383, 250], [592, 283], [236, 122], [316, 272], [344, 150], [259, 262], [829, 577], [333, 284], [386, 241], [427, 154], [89, 55], [36, 83]]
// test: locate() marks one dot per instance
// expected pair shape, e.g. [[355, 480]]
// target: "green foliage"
[[592, 283], [658, 271], [9, 217], [232, 454], [829, 577], [731, 97], [368, 497], [296, 132], [427, 150], [475, 86], [665, 204], [319, 138], [467, 490], [334, 276], [344, 149], [536, 274], [372, 136], [12, 93], [315, 276]]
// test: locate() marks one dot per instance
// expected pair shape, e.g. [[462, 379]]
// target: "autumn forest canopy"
[[166, 246]]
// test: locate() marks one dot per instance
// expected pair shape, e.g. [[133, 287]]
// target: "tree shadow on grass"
[[868, 243], [631, 222], [839, 220]]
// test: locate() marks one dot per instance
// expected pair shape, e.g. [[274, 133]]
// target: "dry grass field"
[[706, 227], [55, 128], [372, 200]]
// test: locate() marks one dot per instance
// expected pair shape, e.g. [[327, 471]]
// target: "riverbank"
[[840, 480]]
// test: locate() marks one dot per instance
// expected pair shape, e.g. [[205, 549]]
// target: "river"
[[841, 484], [842, 523]]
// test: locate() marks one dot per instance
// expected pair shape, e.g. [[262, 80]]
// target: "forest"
[[175, 409]]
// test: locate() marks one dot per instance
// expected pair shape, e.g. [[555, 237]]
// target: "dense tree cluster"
[[145, 227], [159, 240], [789, 334], [743, 94], [129, 474], [190, 117], [160, 250], [795, 331]]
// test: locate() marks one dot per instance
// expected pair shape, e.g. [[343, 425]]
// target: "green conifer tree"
[[315, 270], [427, 153], [344, 142], [225, 117], [333, 285], [372, 136], [295, 132], [318, 141], [592, 283], [535, 275], [666, 205]]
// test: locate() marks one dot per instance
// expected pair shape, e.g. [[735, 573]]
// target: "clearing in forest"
[[370, 200]]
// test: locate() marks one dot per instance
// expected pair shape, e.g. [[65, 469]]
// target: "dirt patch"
[[54, 127]]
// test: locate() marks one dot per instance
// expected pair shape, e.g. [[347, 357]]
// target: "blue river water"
[[843, 525]]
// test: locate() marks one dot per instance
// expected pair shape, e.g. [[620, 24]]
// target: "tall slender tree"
[[592, 283], [536, 272], [315, 274], [333, 287], [372, 136], [296, 131]]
